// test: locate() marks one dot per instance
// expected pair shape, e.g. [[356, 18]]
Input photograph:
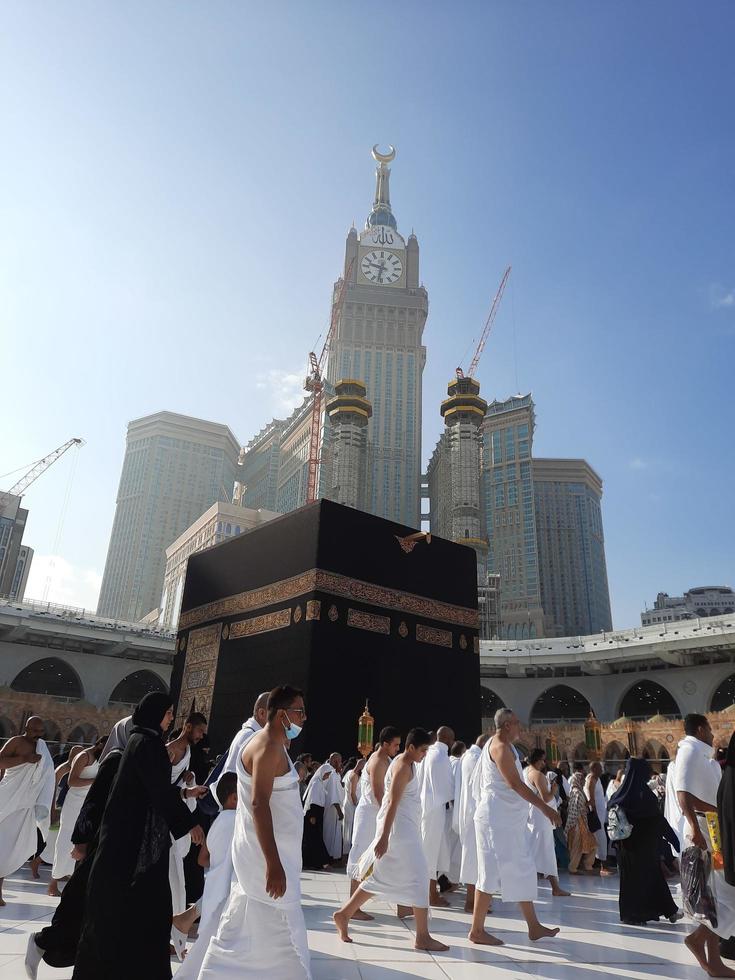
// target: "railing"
[[77, 614]]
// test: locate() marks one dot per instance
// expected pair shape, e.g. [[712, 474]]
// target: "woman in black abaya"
[[127, 921], [644, 894]]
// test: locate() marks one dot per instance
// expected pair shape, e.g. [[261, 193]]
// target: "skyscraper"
[[571, 547], [377, 345], [378, 342], [13, 519], [175, 467], [510, 520]]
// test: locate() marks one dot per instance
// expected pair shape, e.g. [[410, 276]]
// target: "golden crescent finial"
[[384, 157]]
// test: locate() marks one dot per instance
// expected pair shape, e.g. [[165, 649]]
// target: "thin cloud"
[[285, 390], [720, 298], [637, 463], [54, 579]]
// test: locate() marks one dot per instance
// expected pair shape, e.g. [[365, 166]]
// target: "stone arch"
[[7, 728], [52, 736], [51, 676], [135, 686], [581, 752], [615, 754], [724, 695], [560, 703], [644, 698], [83, 734], [490, 702]]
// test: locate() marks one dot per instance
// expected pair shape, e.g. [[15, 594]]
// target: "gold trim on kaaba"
[[261, 624], [197, 681], [313, 609], [297, 614], [462, 641], [476, 644], [333, 613], [204, 636], [403, 630], [368, 621], [334, 584], [430, 634]]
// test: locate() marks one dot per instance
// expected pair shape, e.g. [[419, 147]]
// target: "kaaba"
[[346, 606]]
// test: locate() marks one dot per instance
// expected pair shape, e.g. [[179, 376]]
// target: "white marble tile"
[[592, 944]]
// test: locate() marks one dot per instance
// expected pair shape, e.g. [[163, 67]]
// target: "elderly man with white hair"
[[505, 861]]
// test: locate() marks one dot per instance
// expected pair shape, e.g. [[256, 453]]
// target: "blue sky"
[[177, 180]]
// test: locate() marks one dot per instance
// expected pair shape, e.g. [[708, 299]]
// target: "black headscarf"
[[149, 712], [634, 796], [726, 811]]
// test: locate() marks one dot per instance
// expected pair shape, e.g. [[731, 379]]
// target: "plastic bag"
[[618, 825], [696, 867]]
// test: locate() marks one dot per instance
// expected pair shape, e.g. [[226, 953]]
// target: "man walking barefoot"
[[394, 866]]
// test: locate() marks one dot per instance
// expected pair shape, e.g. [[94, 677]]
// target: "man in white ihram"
[[505, 862], [262, 933], [437, 789], [465, 809], [255, 723], [26, 795]]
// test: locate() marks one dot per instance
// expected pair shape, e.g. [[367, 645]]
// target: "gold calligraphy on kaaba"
[[261, 624], [313, 609], [368, 621], [338, 586], [430, 634], [200, 666]]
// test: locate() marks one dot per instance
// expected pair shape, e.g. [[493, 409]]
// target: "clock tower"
[[378, 342]]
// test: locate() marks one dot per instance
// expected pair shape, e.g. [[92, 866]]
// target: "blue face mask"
[[292, 731]]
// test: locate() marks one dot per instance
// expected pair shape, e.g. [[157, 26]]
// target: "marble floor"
[[592, 943]]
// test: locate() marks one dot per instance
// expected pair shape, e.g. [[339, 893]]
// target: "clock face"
[[381, 267]]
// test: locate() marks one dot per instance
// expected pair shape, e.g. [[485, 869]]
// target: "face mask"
[[292, 731]]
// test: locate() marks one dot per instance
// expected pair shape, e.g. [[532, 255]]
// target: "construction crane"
[[314, 383], [40, 467], [486, 330]]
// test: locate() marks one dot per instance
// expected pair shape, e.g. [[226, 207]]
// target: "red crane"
[[315, 384], [486, 331]]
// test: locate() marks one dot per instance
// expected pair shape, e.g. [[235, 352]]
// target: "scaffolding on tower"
[[314, 384]]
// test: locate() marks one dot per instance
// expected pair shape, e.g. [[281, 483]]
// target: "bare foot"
[[469, 907], [53, 889], [340, 921], [439, 902], [35, 865], [541, 932], [3, 903], [404, 911], [697, 949], [560, 893], [720, 970], [363, 916], [430, 944], [484, 939]]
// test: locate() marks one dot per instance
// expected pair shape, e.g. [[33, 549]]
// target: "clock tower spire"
[[381, 213]]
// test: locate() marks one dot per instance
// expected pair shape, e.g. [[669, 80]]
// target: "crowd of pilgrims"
[[155, 837]]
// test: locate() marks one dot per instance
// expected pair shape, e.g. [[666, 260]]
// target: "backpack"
[[618, 825]]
